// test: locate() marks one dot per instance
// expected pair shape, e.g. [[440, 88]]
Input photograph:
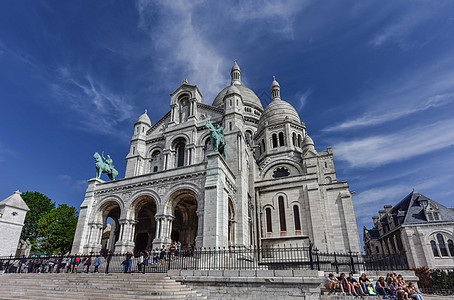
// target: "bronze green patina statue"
[[105, 165], [217, 138]]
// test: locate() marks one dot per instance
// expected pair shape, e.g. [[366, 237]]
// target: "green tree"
[[56, 229], [39, 205]]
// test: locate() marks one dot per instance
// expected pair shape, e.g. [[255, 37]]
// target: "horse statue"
[[104, 165], [217, 138]]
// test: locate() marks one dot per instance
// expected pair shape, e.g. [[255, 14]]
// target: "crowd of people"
[[52, 264], [391, 287], [95, 263], [157, 256]]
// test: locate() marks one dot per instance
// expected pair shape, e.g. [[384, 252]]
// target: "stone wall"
[[265, 284], [250, 284]]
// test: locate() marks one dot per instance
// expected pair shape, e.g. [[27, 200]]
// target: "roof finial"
[[145, 110], [185, 81]]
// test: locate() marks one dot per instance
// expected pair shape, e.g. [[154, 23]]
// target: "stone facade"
[[273, 187], [12, 215], [421, 227]]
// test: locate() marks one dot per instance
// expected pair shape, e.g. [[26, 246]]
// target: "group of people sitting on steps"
[[391, 287]]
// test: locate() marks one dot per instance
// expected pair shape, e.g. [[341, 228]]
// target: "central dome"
[[248, 96], [278, 111]]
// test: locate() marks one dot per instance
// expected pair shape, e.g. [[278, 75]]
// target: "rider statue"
[[104, 165], [217, 138]]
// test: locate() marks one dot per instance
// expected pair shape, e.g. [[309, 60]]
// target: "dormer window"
[[436, 216], [423, 203]]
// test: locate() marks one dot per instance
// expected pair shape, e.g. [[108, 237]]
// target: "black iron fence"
[[438, 282], [277, 258]]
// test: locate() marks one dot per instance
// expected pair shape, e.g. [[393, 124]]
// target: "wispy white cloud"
[[75, 184], [277, 15], [381, 116], [382, 149], [302, 98], [95, 108], [184, 49]]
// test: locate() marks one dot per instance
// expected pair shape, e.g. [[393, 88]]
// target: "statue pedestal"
[[218, 186], [81, 235]]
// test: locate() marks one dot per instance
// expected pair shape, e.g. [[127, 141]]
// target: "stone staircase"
[[93, 286]]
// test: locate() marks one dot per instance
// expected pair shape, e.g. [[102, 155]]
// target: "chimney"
[[381, 213], [375, 219], [387, 208]]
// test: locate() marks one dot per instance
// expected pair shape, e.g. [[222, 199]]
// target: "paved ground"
[[435, 297]]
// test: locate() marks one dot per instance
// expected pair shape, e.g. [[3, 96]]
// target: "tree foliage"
[[39, 205], [56, 229]]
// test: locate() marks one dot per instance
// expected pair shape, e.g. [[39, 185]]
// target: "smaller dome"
[[232, 90], [144, 119], [308, 140]]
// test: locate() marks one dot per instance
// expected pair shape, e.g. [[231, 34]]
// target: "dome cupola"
[[278, 110], [144, 119], [275, 89], [235, 74]]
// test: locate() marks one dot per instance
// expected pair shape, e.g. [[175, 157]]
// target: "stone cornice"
[[156, 181], [209, 107]]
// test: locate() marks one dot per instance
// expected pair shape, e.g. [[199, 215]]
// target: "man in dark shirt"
[[355, 285]]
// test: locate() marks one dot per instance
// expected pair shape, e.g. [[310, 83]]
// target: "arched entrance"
[[145, 227], [111, 227], [185, 222]]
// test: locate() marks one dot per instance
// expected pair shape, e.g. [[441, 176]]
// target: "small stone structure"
[[418, 226], [12, 215]]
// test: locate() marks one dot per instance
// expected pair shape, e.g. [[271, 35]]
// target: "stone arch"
[[106, 203], [182, 206], [292, 165], [142, 211], [108, 213]]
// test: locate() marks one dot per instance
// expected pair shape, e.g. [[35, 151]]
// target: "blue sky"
[[372, 79]]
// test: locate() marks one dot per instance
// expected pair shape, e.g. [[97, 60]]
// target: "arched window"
[[269, 225], [263, 144], [434, 248], [451, 247], [180, 154], [155, 160], [299, 140], [377, 249], [282, 222], [274, 140], [296, 216], [294, 139], [281, 139], [442, 245]]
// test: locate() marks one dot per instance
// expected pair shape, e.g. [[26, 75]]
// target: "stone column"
[[111, 243]]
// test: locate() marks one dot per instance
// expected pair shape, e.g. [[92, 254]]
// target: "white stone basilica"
[[273, 187]]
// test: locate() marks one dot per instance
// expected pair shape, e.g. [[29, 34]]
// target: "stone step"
[[93, 286]]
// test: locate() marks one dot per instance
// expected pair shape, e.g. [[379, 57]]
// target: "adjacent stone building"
[[421, 227], [273, 187], [12, 215]]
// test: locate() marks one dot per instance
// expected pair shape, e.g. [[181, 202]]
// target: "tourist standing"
[[127, 262], [96, 263]]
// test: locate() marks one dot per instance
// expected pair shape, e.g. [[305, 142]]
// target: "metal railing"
[[276, 258]]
